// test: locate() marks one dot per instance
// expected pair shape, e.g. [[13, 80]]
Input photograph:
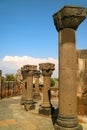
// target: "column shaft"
[[67, 72], [24, 88], [66, 21], [37, 84], [45, 90], [30, 87], [47, 69]]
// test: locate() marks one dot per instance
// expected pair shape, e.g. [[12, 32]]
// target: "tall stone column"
[[30, 70], [67, 21], [37, 89], [0, 84], [24, 92], [30, 73], [47, 69]]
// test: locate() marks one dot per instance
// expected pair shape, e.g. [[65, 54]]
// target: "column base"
[[36, 96], [57, 127], [45, 111], [67, 123], [23, 100], [28, 104]]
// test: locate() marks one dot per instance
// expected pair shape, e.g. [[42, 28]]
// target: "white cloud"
[[10, 64]]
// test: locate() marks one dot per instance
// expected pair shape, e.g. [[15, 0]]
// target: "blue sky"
[[28, 34]]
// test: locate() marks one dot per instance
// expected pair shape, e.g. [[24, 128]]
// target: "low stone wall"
[[10, 88]]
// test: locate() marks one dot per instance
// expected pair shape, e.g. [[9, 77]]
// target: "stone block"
[[44, 111]]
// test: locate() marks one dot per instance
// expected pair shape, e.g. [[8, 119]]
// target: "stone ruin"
[[82, 82], [29, 97], [72, 72], [66, 21], [47, 71], [9, 88]]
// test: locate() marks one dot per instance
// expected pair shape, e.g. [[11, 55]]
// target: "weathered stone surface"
[[58, 127], [37, 74], [46, 66], [28, 73], [69, 17], [82, 73], [28, 70], [44, 111], [67, 73], [66, 22], [47, 69], [9, 88], [82, 54], [36, 95]]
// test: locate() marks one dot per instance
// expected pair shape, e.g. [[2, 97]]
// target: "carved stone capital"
[[28, 70], [37, 74], [69, 17], [23, 72], [29, 67], [47, 68], [47, 72]]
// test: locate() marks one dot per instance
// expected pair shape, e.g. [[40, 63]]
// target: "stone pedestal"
[[47, 69], [0, 84], [67, 21]]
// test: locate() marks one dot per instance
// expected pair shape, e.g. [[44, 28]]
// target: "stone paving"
[[13, 117]]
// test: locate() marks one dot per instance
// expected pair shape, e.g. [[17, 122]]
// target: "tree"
[[52, 82], [3, 78], [10, 77]]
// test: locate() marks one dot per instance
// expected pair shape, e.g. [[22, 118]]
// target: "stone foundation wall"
[[9, 88]]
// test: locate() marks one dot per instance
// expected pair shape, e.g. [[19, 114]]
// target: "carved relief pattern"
[[69, 17], [46, 72], [28, 70], [47, 68]]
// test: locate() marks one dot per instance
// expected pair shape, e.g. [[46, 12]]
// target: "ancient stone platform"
[[14, 117]]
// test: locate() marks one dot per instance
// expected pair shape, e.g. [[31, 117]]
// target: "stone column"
[[30, 70], [67, 21], [0, 84], [24, 92], [30, 73], [37, 89], [47, 69]]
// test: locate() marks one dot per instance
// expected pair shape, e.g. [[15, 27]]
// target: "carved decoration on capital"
[[47, 68], [37, 74], [28, 70], [69, 17], [23, 72], [47, 72]]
